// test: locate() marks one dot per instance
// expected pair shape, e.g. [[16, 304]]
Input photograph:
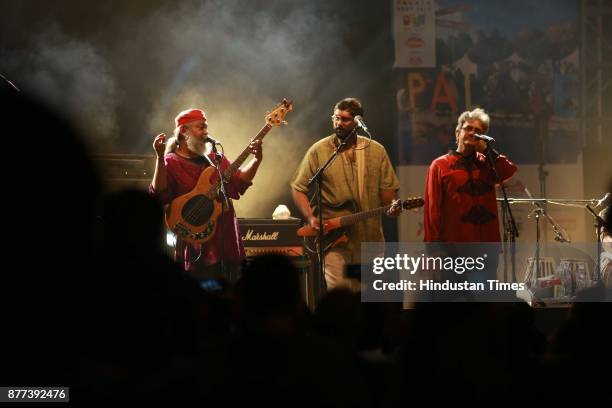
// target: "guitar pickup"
[[181, 230]]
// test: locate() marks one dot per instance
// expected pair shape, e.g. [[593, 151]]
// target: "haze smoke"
[[125, 82]]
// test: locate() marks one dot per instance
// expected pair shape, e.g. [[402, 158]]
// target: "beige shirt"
[[359, 182]]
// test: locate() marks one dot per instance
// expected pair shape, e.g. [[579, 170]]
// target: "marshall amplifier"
[[267, 236]]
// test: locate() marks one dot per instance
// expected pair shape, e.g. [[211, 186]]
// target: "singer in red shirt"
[[460, 199]]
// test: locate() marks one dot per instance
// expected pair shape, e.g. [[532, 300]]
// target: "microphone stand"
[[510, 229], [224, 202], [539, 211], [599, 224], [316, 178], [9, 83]]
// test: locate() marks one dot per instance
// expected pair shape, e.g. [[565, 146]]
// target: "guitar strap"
[[361, 164]]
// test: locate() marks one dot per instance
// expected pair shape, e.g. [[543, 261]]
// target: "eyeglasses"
[[469, 128], [342, 119]]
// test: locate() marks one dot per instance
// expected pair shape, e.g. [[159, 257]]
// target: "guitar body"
[[333, 231], [333, 238], [193, 216]]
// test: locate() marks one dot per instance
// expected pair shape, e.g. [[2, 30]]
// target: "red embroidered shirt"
[[460, 199]]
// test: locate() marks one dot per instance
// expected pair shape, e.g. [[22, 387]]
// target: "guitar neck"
[[229, 172], [347, 220]]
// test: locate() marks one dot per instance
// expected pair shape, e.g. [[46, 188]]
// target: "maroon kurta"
[[460, 199], [183, 175]]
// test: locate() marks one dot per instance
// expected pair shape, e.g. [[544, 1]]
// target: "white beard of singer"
[[196, 146]]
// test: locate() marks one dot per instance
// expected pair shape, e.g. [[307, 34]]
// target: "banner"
[[415, 33]]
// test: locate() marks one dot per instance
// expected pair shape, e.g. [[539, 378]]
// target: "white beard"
[[196, 146]]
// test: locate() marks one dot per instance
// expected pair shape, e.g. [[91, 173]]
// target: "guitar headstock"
[[413, 202], [276, 116]]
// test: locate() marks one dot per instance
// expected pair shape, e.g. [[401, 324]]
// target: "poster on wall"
[[524, 72], [414, 33]]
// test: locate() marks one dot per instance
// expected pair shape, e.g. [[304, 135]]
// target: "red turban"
[[189, 115]]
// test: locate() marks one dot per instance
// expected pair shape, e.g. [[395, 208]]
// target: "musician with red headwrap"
[[180, 161]]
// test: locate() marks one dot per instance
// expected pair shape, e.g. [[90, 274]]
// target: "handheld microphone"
[[486, 138], [360, 123]]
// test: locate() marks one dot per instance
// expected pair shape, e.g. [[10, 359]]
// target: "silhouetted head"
[[51, 186], [132, 220], [270, 286], [50, 194]]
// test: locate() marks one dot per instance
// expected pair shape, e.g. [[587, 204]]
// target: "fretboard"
[[353, 218], [229, 172]]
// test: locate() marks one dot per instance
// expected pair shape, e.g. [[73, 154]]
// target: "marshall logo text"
[[260, 236]]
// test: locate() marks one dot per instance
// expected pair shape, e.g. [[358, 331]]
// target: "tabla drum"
[[574, 274], [544, 267]]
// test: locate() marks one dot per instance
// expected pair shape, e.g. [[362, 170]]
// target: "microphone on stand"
[[214, 144], [486, 138], [489, 140], [360, 123], [559, 236], [210, 140]]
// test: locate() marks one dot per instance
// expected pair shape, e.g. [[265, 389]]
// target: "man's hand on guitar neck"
[[248, 172], [396, 208], [256, 149]]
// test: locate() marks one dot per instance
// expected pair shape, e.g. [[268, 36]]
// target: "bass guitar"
[[193, 216]]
